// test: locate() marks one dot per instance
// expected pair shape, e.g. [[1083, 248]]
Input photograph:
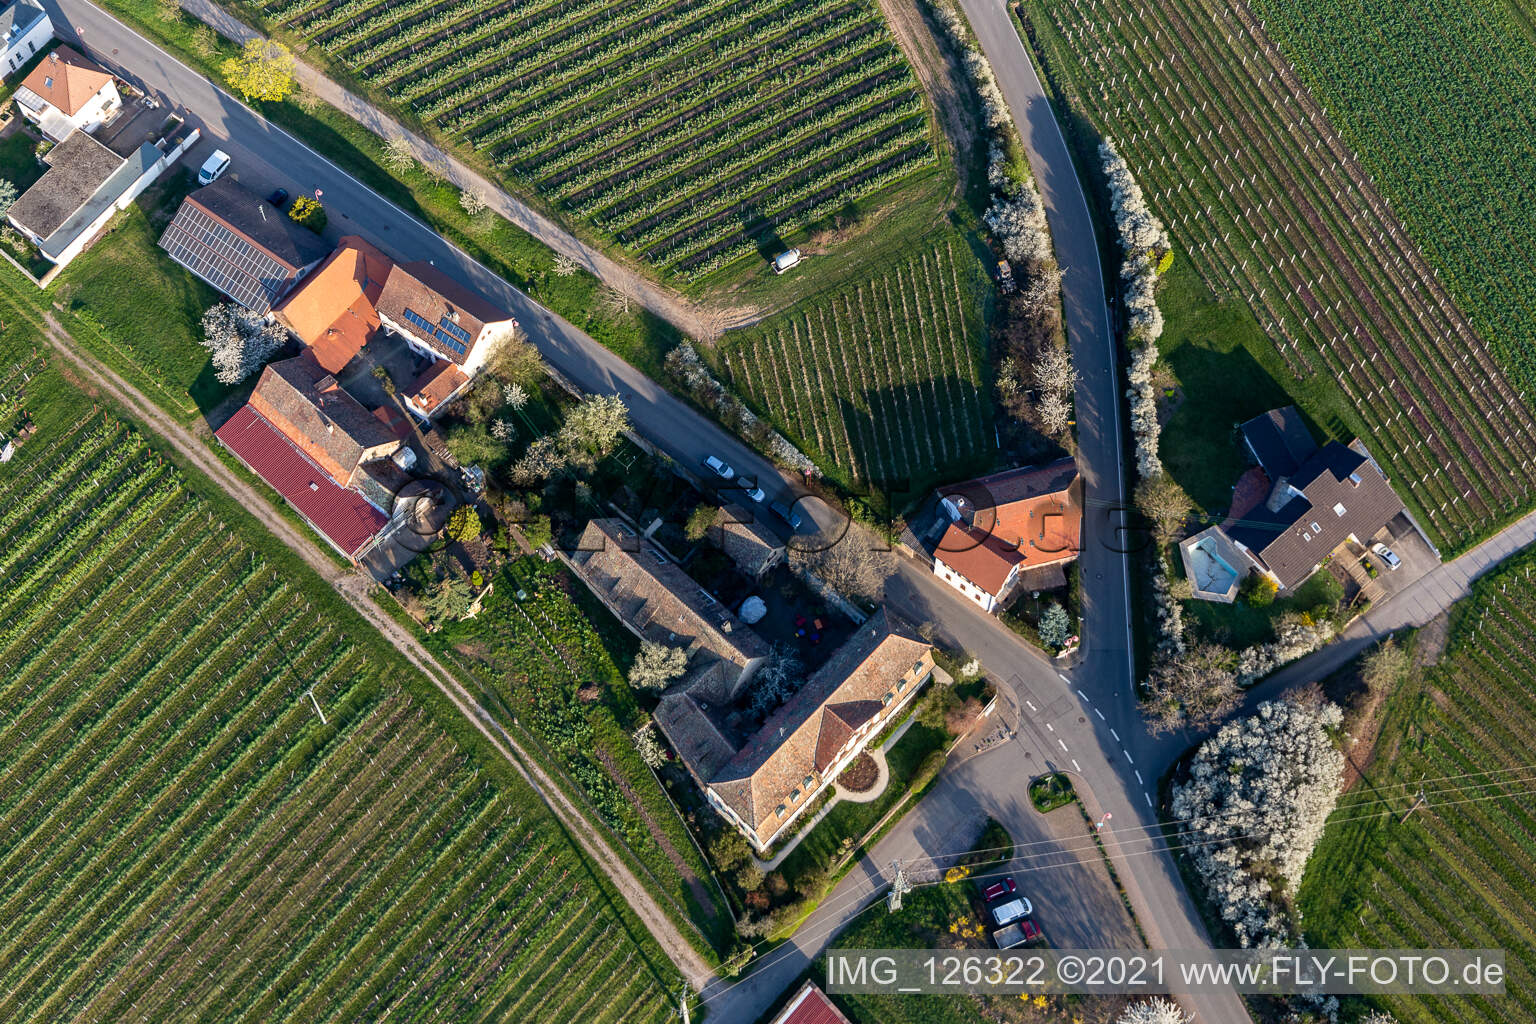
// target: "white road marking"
[[1083, 695], [1100, 714], [1049, 727], [1139, 782], [1115, 735], [1076, 765], [1128, 756], [1063, 746], [1147, 798], [1031, 705], [1064, 678]]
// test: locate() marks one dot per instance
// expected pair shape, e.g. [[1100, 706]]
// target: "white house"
[[66, 92], [24, 29], [440, 318]]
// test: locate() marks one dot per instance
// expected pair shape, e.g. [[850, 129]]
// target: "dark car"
[[996, 889], [278, 198], [786, 513]]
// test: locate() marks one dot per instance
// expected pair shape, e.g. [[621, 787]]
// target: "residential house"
[[68, 92], [1010, 531], [331, 310], [658, 601], [1311, 500], [434, 387], [440, 318], [754, 548], [318, 447], [24, 29], [240, 244], [85, 185], [766, 784], [810, 1005]]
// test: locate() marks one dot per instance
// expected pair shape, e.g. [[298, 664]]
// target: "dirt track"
[[356, 589]]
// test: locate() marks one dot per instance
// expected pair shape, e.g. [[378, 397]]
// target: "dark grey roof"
[[236, 241], [1337, 492], [16, 19], [78, 168], [1279, 440]]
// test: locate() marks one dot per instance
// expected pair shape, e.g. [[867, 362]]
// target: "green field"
[[186, 838], [694, 133], [1262, 196], [532, 655], [1459, 872], [884, 380], [1438, 105]]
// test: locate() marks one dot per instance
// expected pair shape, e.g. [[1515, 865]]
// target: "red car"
[[1030, 929], [996, 889]]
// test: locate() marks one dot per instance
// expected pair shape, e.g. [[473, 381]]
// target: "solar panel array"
[[224, 259], [445, 331]]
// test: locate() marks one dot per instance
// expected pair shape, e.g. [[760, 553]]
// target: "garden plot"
[[882, 382], [692, 132], [1275, 210], [185, 831]]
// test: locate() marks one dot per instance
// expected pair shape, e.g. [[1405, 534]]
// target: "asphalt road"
[[265, 157]]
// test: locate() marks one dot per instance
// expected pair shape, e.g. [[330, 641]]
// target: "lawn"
[[18, 161], [210, 759], [883, 381], [1458, 873], [1240, 624], [1262, 197], [142, 311]]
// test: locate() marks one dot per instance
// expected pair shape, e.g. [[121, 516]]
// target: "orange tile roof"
[[1028, 517], [436, 384], [332, 310], [67, 80]]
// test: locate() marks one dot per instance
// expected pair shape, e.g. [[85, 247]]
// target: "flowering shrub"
[[1258, 795], [1295, 635], [1154, 1011]]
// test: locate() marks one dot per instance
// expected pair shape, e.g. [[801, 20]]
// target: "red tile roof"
[[810, 1006], [342, 516]]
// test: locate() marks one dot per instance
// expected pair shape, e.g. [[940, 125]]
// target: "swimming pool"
[[1211, 572]]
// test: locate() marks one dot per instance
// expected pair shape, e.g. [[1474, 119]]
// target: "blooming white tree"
[[240, 341], [1154, 1011], [1258, 795], [1295, 635], [656, 665]]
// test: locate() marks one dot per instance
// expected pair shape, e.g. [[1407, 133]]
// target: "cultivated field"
[[185, 838], [1273, 209], [690, 131], [883, 381], [1433, 106], [1459, 872]]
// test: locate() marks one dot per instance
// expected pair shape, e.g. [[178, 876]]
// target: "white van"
[[213, 167], [1007, 913]]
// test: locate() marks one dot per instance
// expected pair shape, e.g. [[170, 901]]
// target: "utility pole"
[[900, 886], [682, 1003], [1418, 801]]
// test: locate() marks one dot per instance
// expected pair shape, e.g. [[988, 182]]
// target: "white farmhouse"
[[24, 29], [67, 91]]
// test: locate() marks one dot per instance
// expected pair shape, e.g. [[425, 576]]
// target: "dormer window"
[[779, 811], [808, 780], [887, 698], [794, 796]]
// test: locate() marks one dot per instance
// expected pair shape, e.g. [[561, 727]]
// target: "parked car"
[[1006, 913], [278, 198], [1387, 555], [786, 513], [753, 491], [720, 468], [1031, 930], [996, 889], [213, 168]]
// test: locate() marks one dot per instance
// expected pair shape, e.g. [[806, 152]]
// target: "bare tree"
[[1165, 504], [657, 665], [1385, 667], [777, 680], [856, 565], [542, 460], [564, 265], [515, 360], [1196, 688], [1054, 414]]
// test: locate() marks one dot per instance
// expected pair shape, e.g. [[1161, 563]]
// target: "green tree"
[[472, 444], [728, 849], [1055, 626], [7, 196], [703, 516], [308, 212], [263, 71], [463, 524], [448, 600], [1385, 667], [1258, 590], [538, 531]]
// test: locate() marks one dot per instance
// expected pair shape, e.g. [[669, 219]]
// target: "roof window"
[[1315, 527], [1338, 509], [48, 82]]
